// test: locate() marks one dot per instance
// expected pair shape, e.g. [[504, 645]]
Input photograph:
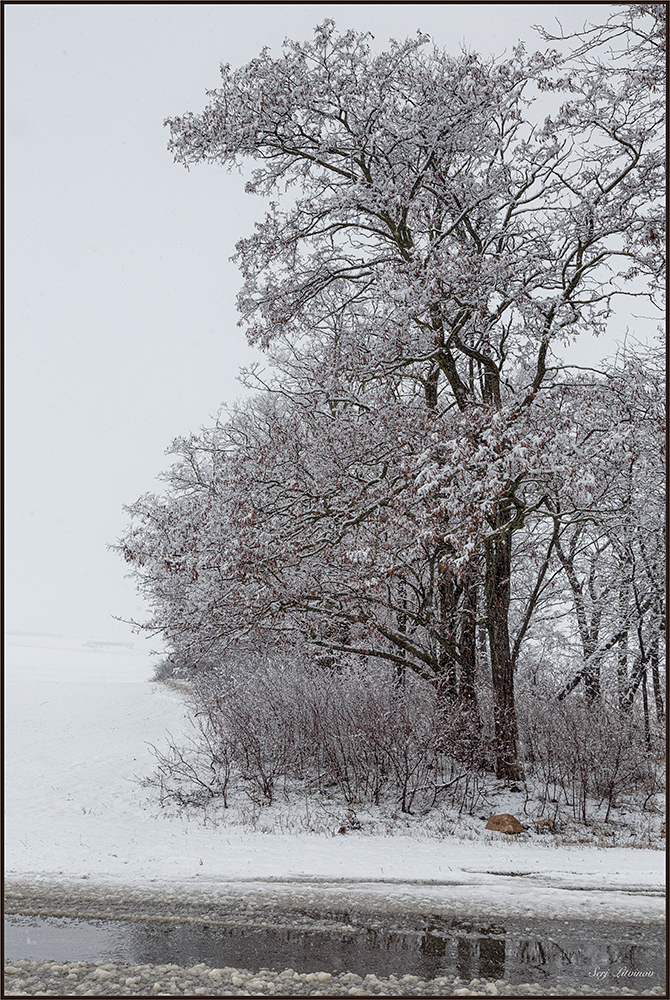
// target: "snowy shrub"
[[165, 669], [585, 757], [270, 728], [347, 733], [196, 773]]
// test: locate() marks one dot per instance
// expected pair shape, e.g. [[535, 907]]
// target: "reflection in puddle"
[[538, 951], [480, 958]]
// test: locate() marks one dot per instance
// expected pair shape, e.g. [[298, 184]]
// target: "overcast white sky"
[[120, 298]]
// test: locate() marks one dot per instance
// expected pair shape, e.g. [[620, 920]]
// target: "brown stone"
[[504, 823]]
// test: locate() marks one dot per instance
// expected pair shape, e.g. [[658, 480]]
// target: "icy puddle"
[[546, 952]]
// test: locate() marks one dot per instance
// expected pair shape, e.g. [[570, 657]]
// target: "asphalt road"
[[278, 927]]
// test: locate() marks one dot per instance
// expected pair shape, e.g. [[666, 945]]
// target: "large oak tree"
[[432, 240]]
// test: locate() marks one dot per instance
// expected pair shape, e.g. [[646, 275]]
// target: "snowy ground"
[[79, 720]]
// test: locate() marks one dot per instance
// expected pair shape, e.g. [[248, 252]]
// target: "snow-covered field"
[[80, 718]]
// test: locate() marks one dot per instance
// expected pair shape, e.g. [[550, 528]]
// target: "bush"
[[264, 726], [586, 756], [268, 727]]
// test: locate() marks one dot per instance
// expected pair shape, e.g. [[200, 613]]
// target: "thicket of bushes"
[[586, 758], [266, 728]]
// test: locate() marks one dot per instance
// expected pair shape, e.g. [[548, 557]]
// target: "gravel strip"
[[35, 979]]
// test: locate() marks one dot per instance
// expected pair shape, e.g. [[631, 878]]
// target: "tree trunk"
[[468, 649], [588, 631], [656, 682], [623, 682], [470, 721], [497, 589], [622, 670], [400, 670], [447, 595], [645, 710]]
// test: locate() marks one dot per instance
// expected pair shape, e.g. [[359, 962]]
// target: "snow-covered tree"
[[432, 239], [614, 559]]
